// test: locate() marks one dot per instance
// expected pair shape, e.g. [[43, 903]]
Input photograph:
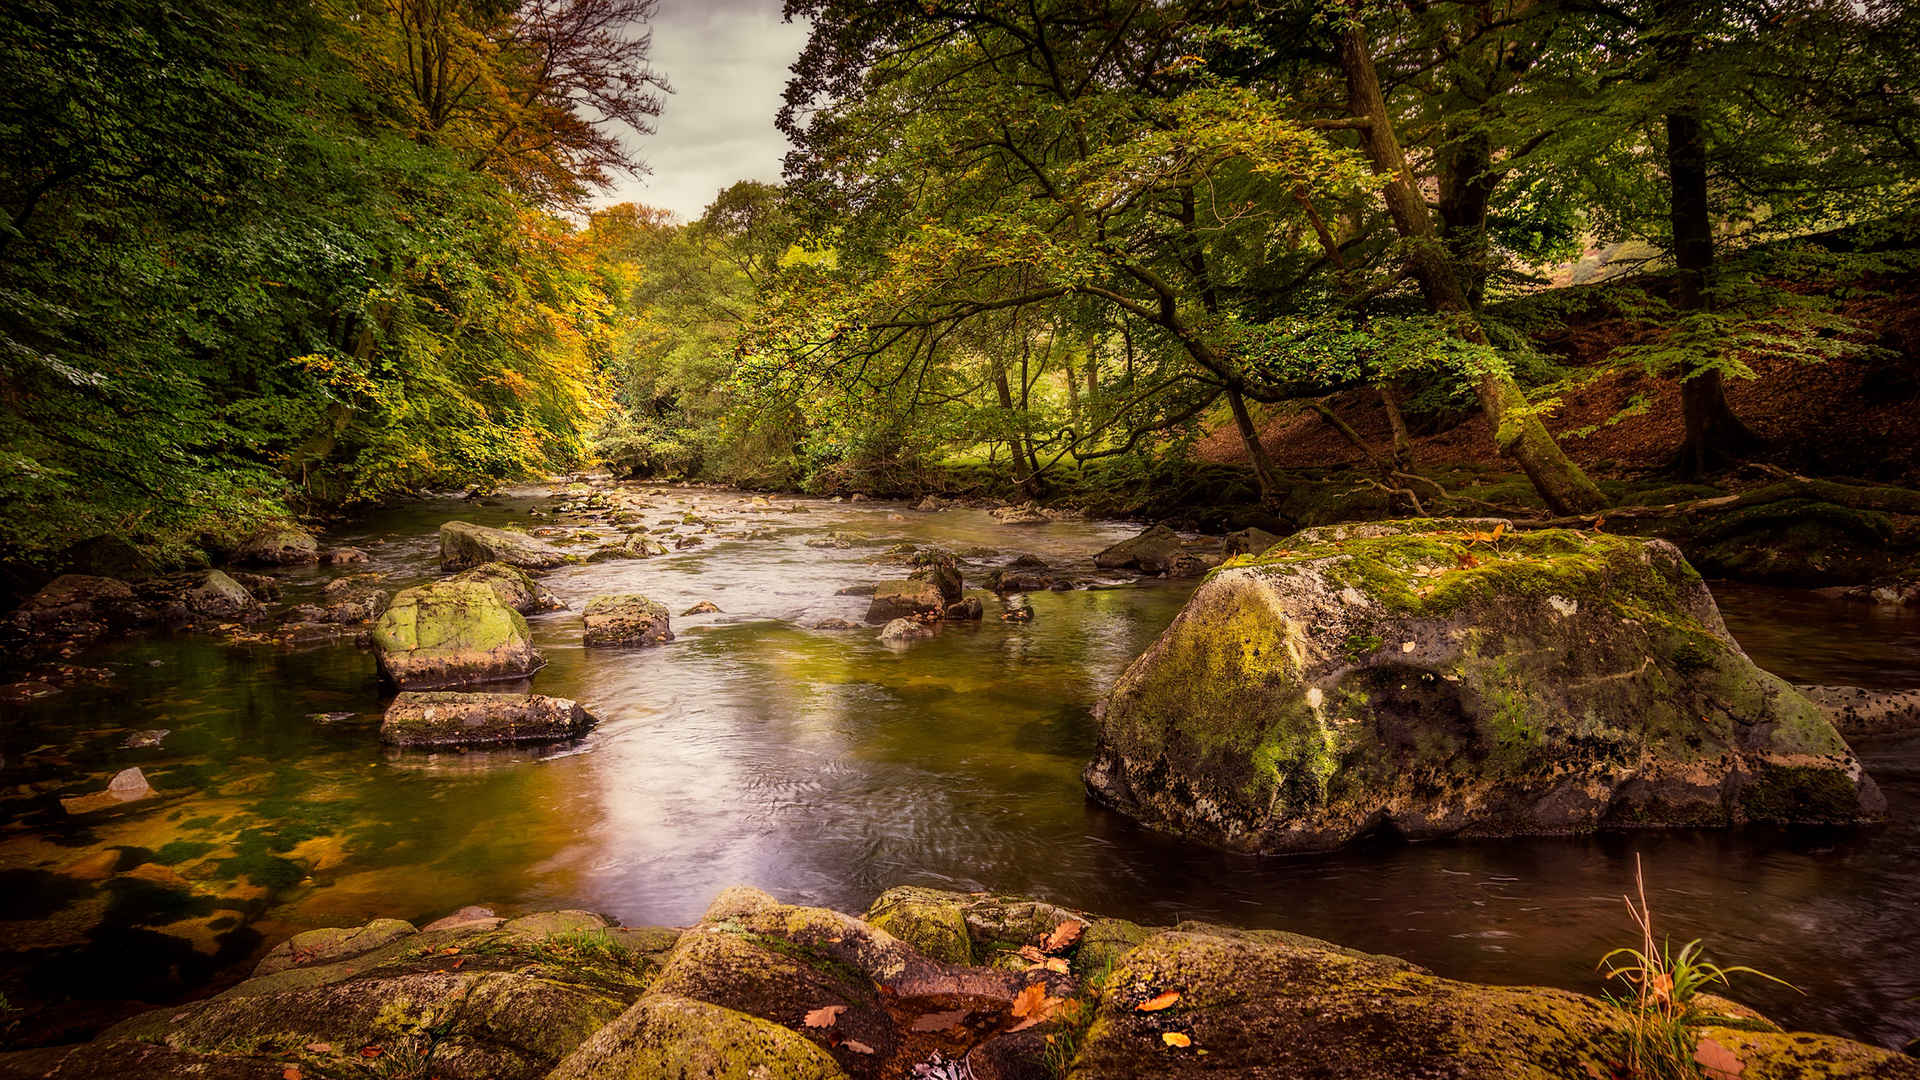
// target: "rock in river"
[[514, 587], [905, 600], [1156, 551], [1430, 679], [452, 633], [424, 720], [463, 545], [278, 545], [626, 619]]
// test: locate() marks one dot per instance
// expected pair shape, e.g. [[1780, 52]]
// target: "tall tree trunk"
[[1715, 437], [1466, 191], [1517, 431], [1397, 420], [1256, 451]]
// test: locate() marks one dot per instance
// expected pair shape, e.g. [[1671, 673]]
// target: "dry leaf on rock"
[[1032, 1006], [857, 1047], [1159, 1001], [1063, 936], [824, 1016], [1174, 1038], [1720, 1062]]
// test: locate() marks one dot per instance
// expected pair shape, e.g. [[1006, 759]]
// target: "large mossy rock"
[[477, 1001], [452, 633], [433, 719], [278, 545], [515, 588], [1438, 678], [464, 545], [1265, 1005], [626, 619]]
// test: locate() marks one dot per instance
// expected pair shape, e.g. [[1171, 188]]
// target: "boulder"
[[905, 599], [901, 631], [278, 545], [77, 604], [964, 610], [834, 624], [635, 545], [481, 1000], [1024, 514], [432, 719], [704, 607], [127, 786], [452, 633], [937, 568], [217, 596], [1152, 552], [626, 619], [463, 545], [1250, 541], [514, 587], [1427, 679], [342, 556]]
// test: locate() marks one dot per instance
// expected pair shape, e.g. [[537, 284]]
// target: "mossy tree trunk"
[[1517, 431]]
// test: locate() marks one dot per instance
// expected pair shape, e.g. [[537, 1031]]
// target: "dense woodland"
[[265, 259]]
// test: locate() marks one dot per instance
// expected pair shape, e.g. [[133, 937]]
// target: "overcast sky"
[[727, 63]]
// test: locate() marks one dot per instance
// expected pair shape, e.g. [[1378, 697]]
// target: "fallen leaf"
[[1056, 964], [1174, 1038], [1720, 1062], [857, 1047], [371, 1051], [290, 1073], [455, 966], [825, 1015], [1159, 1001], [319, 1048], [1063, 936], [940, 1021], [1032, 1006], [1499, 530], [1032, 954]]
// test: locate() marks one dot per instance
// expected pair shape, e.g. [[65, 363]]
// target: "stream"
[[824, 766]]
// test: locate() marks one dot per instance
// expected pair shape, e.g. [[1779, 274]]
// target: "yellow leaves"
[[1159, 1001], [1175, 1039]]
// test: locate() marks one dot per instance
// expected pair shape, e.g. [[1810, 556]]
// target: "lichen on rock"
[[452, 633]]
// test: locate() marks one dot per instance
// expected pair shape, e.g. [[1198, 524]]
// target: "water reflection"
[[825, 767]]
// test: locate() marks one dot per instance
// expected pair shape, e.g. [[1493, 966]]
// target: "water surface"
[[824, 767]]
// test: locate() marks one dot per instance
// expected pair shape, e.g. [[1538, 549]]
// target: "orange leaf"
[[1056, 964], [1031, 954], [940, 1021], [289, 1073], [825, 1015], [1720, 1062], [1063, 936], [1174, 1038], [1159, 1001], [1027, 1001], [371, 1051], [857, 1047], [320, 1048], [455, 966]]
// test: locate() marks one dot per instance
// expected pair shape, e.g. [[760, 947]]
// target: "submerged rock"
[[625, 619], [342, 556], [1858, 711], [636, 545], [419, 720], [127, 786], [278, 545], [905, 600], [1425, 679], [1024, 514], [901, 631], [704, 607], [967, 609], [514, 587], [452, 633], [463, 545]]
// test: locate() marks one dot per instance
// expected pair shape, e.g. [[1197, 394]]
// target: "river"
[[824, 766]]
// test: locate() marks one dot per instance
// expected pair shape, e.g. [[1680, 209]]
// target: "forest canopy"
[[262, 259]]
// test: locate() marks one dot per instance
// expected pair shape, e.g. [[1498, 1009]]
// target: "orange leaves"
[[1040, 956], [1063, 936], [824, 1016], [1160, 1001], [1033, 1006], [1719, 1062]]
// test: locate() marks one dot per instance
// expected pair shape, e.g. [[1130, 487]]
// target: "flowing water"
[[824, 766]]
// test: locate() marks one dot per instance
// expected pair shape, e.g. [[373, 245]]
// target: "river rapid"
[[825, 766]]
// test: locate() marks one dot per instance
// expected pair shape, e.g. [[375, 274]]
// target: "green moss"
[[935, 927]]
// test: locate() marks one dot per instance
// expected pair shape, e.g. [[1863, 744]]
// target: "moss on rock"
[[452, 633], [674, 1038]]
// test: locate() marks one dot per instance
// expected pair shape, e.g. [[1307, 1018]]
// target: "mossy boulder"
[[626, 619], [1436, 678], [938, 568], [905, 600], [931, 921], [452, 633], [481, 1001], [464, 545], [673, 1038], [278, 545], [515, 588], [331, 944], [1264, 1005], [78, 605], [434, 719]]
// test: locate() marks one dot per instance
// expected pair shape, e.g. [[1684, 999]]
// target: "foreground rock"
[[463, 545], [928, 984], [452, 633], [77, 606], [436, 719], [1426, 679], [626, 619], [514, 588]]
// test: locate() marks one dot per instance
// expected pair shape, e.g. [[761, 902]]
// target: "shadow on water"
[[824, 767]]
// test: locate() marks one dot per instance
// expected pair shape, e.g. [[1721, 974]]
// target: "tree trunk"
[[1402, 441], [1715, 437], [1256, 452], [1517, 431]]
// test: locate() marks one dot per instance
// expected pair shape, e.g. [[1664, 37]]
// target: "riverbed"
[[824, 766]]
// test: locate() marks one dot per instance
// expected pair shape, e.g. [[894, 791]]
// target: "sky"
[[727, 63]]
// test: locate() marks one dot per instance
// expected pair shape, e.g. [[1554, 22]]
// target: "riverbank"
[[928, 984]]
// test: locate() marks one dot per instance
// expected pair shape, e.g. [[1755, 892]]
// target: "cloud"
[[727, 61]]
